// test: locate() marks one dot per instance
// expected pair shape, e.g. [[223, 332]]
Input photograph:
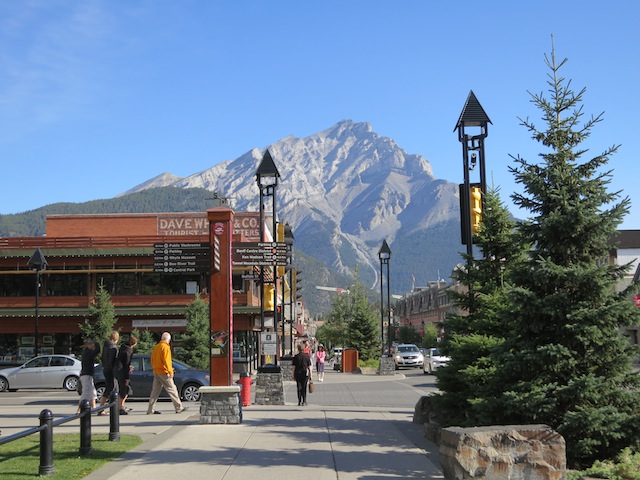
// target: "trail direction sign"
[[262, 254]]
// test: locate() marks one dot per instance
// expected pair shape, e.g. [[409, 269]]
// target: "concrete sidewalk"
[[346, 442], [285, 442]]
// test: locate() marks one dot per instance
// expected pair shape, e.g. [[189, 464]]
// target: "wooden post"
[[220, 300]]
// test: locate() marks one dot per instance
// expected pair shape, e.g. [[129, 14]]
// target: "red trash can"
[[245, 390]]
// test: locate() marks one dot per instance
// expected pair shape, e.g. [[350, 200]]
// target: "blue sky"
[[99, 96]]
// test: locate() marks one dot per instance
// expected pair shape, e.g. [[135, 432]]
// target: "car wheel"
[[191, 392], [4, 384], [100, 390], [71, 383]]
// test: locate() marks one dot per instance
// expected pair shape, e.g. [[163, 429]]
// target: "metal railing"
[[46, 430]]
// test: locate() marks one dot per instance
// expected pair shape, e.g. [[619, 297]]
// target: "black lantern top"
[[267, 173], [37, 261], [385, 252], [288, 234], [473, 115]]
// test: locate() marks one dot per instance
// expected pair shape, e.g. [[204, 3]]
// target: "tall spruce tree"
[[566, 362], [473, 334]]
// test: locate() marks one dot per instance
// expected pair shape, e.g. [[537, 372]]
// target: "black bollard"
[[46, 443], [85, 428], [114, 418]]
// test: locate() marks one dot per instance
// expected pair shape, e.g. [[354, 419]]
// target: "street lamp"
[[473, 115], [267, 176], [288, 240], [37, 262], [384, 254]]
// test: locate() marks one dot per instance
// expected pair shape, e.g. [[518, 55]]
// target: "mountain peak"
[[343, 190]]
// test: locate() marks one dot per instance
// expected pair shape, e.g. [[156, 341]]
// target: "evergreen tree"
[[566, 362], [352, 323], [102, 317], [363, 333], [334, 332], [474, 334], [195, 339], [146, 341]]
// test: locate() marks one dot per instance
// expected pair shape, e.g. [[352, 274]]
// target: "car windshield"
[[408, 348], [435, 352]]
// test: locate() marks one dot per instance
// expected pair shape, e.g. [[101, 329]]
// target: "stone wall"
[[506, 452], [269, 388], [220, 405], [387, 366], [287, 373]]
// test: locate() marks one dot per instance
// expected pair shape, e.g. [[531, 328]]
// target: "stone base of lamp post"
[[269, 386], [387, 366]]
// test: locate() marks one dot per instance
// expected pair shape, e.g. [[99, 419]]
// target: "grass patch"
[[20, 459]]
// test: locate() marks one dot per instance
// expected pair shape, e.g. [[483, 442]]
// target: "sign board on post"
[[265, 254], [268, 343]]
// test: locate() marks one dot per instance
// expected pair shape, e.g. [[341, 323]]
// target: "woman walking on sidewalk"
[[301, 366], [321, 356]]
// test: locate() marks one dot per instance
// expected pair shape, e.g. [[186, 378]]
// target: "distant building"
[[431, 304], [134, 257]]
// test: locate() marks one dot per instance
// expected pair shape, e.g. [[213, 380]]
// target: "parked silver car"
[[408, 355], [45, 371]]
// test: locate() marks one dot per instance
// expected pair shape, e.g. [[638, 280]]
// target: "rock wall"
[[507, 452]]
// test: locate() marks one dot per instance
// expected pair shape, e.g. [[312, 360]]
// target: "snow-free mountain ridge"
[[343, 191]]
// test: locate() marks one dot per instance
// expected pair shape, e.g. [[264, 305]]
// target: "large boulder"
[[506, 452]]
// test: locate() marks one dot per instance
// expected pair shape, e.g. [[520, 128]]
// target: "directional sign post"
[[262, 254], [181, 257]]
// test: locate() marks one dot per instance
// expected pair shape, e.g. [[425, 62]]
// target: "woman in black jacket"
[[301, 366], [122, 370]]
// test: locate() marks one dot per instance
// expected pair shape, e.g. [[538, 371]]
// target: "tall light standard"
[[37, 262], [384, 254], [267, 176], [288, 240], [472, 116]]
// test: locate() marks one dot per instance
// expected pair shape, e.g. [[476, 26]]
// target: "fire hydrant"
[[245, 391]]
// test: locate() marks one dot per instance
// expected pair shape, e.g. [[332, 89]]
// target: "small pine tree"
[[195, 339], [566, 362], [102, 317]]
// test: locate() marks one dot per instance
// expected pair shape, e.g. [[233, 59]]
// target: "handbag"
[[311, 387]]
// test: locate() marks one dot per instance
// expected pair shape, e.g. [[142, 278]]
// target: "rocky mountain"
[[343, 191]]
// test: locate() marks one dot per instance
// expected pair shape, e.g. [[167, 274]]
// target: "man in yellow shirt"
[[163, 375]]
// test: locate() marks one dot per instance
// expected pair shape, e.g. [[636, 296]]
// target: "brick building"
[[118, 251]]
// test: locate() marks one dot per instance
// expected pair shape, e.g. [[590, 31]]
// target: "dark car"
[[188, 380]]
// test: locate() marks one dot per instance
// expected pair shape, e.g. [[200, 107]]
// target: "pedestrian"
[[122, 372], [88, 389], [301, 369], [163, 375], [321, 356], [109, 356]]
